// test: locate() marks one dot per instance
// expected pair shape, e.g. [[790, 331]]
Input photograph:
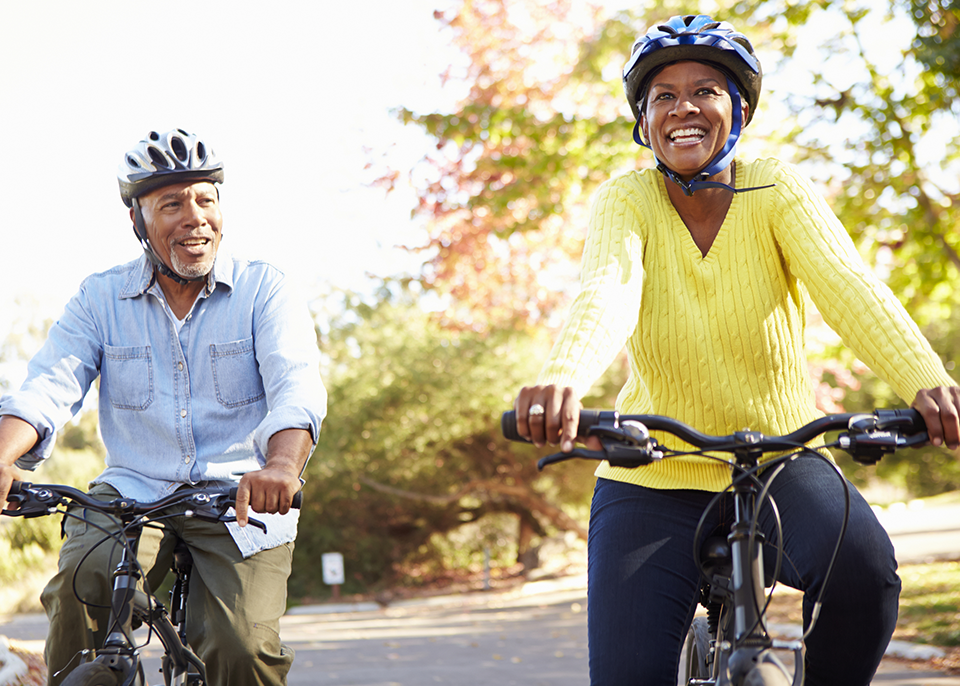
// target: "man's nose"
[[194, 215]]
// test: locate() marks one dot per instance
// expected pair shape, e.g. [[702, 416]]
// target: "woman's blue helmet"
[[701, 39]]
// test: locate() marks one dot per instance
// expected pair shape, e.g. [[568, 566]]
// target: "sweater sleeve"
[[605, 312], [860, 308]]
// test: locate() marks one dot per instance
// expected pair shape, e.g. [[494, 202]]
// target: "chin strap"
[[718, 163], [140, 231]]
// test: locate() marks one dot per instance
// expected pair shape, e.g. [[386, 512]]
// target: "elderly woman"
[[704, 282]]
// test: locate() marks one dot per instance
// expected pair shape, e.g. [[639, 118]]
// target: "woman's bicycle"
[[731, 646], [118, 661]]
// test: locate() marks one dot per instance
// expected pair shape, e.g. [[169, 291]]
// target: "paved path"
[[533, 636], [530, 636]]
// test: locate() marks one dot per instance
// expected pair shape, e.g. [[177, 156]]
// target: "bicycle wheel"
[[698, 649], [92, 674], [767, 674]]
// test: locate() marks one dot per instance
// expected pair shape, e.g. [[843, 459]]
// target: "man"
[[209, 374]]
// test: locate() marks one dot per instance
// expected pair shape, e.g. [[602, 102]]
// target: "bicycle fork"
[[752, 644]]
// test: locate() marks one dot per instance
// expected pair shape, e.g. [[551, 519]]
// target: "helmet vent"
[[132, 161], [158, 158], [201, 150], [154, 136], [179, 149]]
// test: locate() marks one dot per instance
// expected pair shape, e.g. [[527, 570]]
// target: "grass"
[[930, 604]]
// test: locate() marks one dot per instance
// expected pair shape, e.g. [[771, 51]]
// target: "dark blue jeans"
[[643, 586]]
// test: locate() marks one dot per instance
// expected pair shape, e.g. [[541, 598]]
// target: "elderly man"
[[209, 375]]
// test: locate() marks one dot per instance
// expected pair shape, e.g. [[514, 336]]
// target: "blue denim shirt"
[[180, 404]]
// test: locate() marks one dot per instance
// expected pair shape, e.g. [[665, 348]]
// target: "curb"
[[576, 583]]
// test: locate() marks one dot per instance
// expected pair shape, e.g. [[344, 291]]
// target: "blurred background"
[[422, 170]]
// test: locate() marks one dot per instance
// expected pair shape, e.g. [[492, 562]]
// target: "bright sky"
[[289, 94]]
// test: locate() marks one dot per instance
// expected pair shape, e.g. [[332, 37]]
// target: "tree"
[[412, 447]]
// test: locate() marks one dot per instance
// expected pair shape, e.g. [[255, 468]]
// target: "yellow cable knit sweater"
[[718, 341]]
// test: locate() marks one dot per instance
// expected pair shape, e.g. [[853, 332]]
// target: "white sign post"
[[333, 575]]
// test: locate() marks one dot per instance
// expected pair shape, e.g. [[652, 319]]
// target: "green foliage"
[[31, 544], [412, 447], [928, 604]]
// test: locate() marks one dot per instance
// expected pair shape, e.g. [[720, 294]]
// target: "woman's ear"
[[643, 126], [745, 111]]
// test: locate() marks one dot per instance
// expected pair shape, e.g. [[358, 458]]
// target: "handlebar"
[[627, 442], [209, 504]]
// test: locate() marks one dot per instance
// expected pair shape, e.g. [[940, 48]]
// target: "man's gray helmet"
[[164, 158], [159, 160]]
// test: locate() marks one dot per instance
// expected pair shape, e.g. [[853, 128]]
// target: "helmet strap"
[[720, 162], [140, 231]]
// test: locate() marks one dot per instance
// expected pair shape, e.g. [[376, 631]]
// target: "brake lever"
[[628, 445], [250, 520], [33, 502], [870, 438], [211, 509]]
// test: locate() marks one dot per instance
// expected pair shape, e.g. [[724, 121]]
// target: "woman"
[[702, 281]]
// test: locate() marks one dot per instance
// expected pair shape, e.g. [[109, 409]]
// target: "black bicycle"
[[118, 661], [731, 645]]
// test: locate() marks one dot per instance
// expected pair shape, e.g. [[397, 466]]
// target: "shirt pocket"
[[128, 376], [236, 375]]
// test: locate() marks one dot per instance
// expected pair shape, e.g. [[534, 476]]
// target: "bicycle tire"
[[767, 674], [92, 674], [698, 649]]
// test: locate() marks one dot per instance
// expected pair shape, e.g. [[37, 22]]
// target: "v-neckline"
[[690, 245]]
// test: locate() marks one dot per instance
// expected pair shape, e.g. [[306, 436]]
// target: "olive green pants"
[[234, 604]]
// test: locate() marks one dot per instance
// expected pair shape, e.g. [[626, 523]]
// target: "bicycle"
[[118, 662], [731, 645]]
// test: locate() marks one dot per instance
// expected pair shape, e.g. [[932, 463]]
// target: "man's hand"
[[940, 408], [271, 489], [16, 438]]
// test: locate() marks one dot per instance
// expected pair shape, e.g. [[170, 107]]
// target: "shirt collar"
[[142, 276]]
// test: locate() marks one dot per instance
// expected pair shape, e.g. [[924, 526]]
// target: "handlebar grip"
[[508, 425], [297, 497], [588, 419]]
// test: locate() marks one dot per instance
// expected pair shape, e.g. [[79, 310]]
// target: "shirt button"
[[180, 366], [186, 460], [183, 413]]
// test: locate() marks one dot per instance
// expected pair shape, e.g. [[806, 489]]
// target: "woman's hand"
[[940, 408], [550, 414]]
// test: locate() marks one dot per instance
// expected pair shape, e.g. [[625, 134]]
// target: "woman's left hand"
[[940, 408]]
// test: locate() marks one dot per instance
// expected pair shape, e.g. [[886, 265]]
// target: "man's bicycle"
[[118, 662], [731, 646]]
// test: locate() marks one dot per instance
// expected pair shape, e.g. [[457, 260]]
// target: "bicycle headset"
[[701, 39], [161, 159]]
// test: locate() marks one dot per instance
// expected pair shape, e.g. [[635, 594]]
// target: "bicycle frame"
[[129, 603], [736, 652]]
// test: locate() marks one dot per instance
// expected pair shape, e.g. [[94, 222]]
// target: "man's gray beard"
[[190, 271]]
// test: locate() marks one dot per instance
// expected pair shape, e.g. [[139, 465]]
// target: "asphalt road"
[[530, 636], [534, 636]]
